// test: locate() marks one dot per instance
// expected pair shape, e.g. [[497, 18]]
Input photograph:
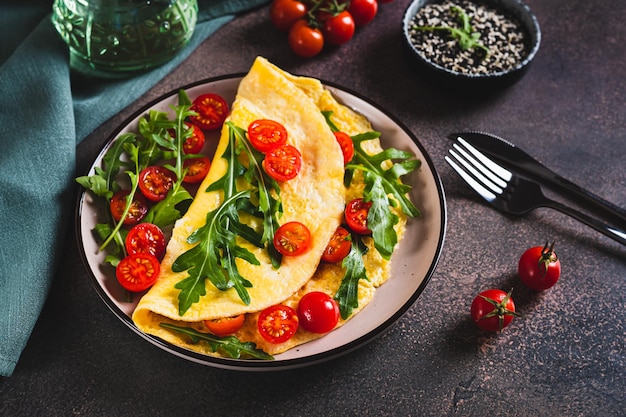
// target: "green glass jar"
[[118, 38]]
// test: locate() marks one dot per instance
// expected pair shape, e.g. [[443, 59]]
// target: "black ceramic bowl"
[[491, 76]]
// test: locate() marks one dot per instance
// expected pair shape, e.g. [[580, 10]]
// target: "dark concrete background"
[[564, 357]]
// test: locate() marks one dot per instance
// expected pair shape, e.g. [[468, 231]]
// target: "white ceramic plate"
[[413, 263]]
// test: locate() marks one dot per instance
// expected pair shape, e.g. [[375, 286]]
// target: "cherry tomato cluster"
[[312, 23], [145, 242], [539, 269]]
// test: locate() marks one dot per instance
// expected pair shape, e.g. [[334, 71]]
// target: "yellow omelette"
[[316, 198]]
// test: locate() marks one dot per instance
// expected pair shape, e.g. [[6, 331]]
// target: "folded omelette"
[[316, 198]]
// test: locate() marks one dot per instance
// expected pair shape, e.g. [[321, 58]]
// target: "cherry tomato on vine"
[[225, 326], [283, 163], [363, 11], [155, 182], [284, 13], [197, 169], [356, 213], [539, 267], [277, 323], [304, 40], [292, 239], [318, 312], [338, 247], [137, 272], [338, 29], [266, 135], [492, 310], [346, 145], [146, 238], [137, 211], [211, 111]]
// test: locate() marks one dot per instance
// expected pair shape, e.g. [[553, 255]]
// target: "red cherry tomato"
[[226, 326], [137, 211], [155, 182], [492, 310], [197, 169], [284, 13], [338, 247], [283, 163], [278, 323], [347, 146], [304, 40], [363, 11], [137, 272], [266, 135], [292, 239], [356, 213], [146, 238], [212, 110], [539, 268], [338, 29], [318, 312], [195, 142]]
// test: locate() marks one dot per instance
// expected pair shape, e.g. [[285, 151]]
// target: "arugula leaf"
[[347, 295], [383, 188], [213, 257], [228, 345], [465, 36]]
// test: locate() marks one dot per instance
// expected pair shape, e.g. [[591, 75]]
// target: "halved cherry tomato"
[[304, 40], [338, 247], [146, 238], [284, 13], [212, 110], [356, 216], [137, 272], [195, 142], [225, 326], [266, 135], [283, 163], [292, 239], [197, 168], [363, 11], [137, 211], [155, 182], [347, 146], [277, 323], [338, 29], [318, 312]]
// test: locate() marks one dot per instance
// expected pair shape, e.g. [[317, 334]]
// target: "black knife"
[[507, 153]]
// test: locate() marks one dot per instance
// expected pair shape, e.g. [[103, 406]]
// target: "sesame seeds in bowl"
[[465, 43]]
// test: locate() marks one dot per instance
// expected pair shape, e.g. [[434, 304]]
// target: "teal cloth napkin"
[[44, 113]]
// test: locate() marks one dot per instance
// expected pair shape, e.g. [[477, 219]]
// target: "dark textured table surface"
[[564, 357]]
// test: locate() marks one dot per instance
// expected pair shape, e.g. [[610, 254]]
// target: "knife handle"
[[617, 213]]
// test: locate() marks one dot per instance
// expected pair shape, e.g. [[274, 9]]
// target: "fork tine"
[[484, 192], [470, 165], [495, 168], [480, 172]]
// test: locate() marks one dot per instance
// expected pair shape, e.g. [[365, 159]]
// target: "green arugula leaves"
[[216, 248], [129, 154], [382, 174], [229, 345], [465, 35]]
